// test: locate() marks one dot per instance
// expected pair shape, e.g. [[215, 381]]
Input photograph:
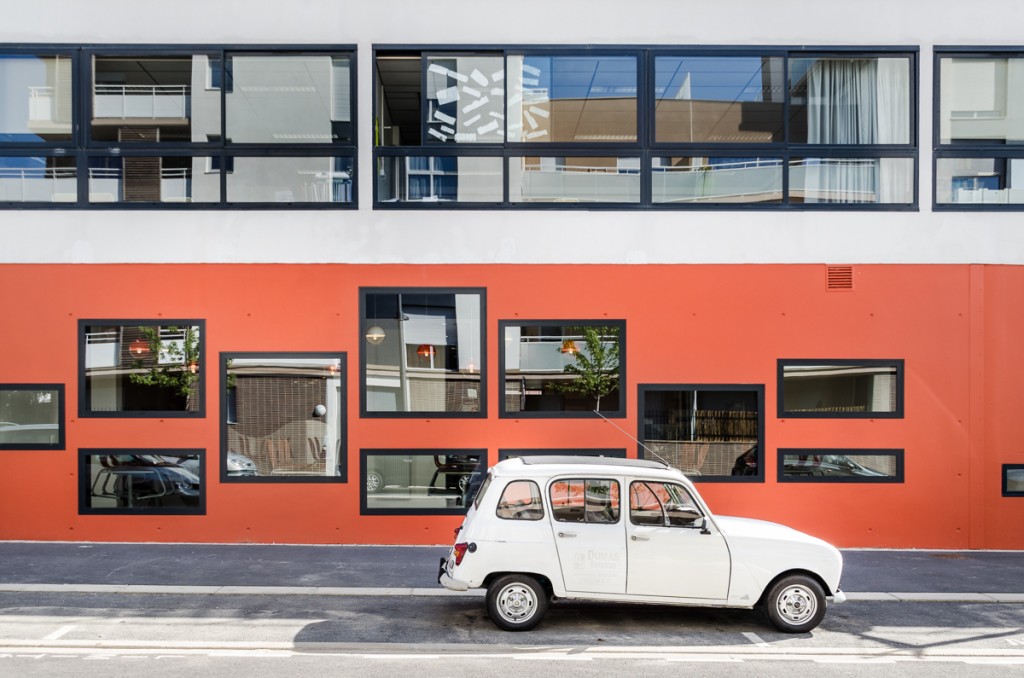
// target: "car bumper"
[[450, 583], [838, 597]]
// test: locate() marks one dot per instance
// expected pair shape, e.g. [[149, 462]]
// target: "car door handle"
[[566, 535], [639, 538]]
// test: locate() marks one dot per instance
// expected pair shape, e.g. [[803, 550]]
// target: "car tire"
[[795, 604], [374, 482], [516, 602]]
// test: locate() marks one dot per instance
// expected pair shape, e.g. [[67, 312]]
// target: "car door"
[[673, 550], [589, 533]]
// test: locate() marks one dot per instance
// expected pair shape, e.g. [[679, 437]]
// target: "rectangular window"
[[616, 453], [35, 98], [31, 416], [725, 180], [585, 501], [709, 432], [851, 180], [423, 352], [283, 417], [562, 368], [38, 179], [465, 99], [471, 179], [143, 368], [573, 179], [132, 179], [141, 481], [401, 482], [979, 181], [840, 389], [818, 465], [297, 179], [1013, 480]]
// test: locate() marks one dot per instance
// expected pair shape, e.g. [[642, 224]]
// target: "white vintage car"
[[628, 530]]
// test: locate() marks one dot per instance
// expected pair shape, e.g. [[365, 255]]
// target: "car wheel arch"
[[789, 573]]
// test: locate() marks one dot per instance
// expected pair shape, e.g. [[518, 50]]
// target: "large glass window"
[[423, 352], [840, 388], [142, 481], [35, 98], [441, 179], [297, 179], [169, 179], [141, 368], [562, 368], [818, 465], [980, 131], [420, 481], [851, 180], [283, 417], [31, 416], [709, 432], [574, 179], [710, 180], [38, 179]]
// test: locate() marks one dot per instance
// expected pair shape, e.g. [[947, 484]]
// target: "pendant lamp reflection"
[[138, 348], [569, 346], [375, 335], [425, 351]]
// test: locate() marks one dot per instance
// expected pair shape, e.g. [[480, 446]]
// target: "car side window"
[[521, 501], [585, 501], [662, 504]]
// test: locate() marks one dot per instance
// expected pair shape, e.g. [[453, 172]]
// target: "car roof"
[[545, 465]]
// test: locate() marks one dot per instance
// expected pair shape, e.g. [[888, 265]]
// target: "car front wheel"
[[795, 604], [516, 602]]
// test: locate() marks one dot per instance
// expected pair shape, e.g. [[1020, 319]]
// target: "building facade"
[[299, 276]]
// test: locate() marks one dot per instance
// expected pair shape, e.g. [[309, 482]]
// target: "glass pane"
[[589, 99], [852, 180], [521, 501], [1014, 480], [562, 368], [154, 99], [829, 390], [423, 352], [30, 416], [146, 482], [719, 99], [840, 466], [704, 432], [420, 481], [602, 501], [979, 100], [142, 368], [465, 99], [35, 98], [863, 100], [717, 180], [289, 99], [153, 179], [287, 418], [440, 179], [290, 180], [972, 181], [574, 179], [40, 179]]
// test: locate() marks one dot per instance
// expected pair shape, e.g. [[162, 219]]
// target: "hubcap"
[[797, 604], [516, 603]]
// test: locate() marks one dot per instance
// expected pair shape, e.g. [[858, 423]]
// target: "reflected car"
[[22, 434], [238, 465], [832, 465], [450, 475], [146, 481]]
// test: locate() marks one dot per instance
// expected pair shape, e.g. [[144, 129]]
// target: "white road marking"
[[62, 631], [755, 639]]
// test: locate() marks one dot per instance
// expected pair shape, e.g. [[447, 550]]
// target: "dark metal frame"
[[897, 363], [896, 454], [1006, 491], [613, 452], [85, 484], [61, 417], [364, 454]]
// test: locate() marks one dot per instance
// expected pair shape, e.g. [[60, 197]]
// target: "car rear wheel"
[[795, 604], [374, 482], [516, 602]]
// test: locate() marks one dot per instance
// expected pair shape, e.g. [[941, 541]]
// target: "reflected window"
[[572, 99], [979, 181], [172, 179], [717, 180], [423, 352], [841, 388], [709, 432], [296, 179], [852, 180], [585, 501], [574, 180], [840, 466], [1013, 480], [141, 368], [283, 417], [563, 368], [434, 179], [31, 416], [978, 98], [35, 98], [421, 481], [719, 99], [289, 99], [142, 481], [38, 179]]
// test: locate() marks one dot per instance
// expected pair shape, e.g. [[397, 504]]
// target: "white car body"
[[715, 561]]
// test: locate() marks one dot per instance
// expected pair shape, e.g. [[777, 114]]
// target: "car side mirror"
[[681, 516]]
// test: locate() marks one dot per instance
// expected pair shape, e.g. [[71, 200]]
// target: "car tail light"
[[460, 552]]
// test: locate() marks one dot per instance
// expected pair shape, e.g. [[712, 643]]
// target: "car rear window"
[[521, 501]]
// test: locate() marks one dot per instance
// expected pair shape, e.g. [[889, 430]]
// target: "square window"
[[31, 416], [840, 389], [141, 481], [283, 417], [1013, 480], [141, 368], [401, 482]]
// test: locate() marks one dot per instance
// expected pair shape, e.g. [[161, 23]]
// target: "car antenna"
[[627, 434]]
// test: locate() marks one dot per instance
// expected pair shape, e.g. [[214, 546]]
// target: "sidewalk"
[[968, 576]]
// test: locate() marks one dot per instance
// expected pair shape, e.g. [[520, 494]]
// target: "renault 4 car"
[[628, 530]]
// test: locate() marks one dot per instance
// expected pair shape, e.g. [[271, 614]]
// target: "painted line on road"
[[62, 631], [755, 639]]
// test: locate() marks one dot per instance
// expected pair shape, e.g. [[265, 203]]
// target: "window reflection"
[[35, 98], [574, 179], [858, 466], [985, 181], [852, 180], [432, 481], [38, 179], [980, 100], [717, 180], [840, 389], [31, 417], [279, 179], [153, 179], [144, 481], [440, 179]]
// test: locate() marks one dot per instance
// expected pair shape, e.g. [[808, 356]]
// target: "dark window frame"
[[558, 414], [597, 452], [895, 453], [757, 389], [900, 376], [228, 402], [361, 339], [365, 453], [203, 367], [941, 151], [85, 487], [1006, 478], [61, 416]]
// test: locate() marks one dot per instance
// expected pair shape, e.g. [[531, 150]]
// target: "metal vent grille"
[[840, 277]]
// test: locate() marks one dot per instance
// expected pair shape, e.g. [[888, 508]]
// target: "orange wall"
[[957, 327]]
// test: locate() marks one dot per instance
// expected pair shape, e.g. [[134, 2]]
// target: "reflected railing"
[[142, 101]]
